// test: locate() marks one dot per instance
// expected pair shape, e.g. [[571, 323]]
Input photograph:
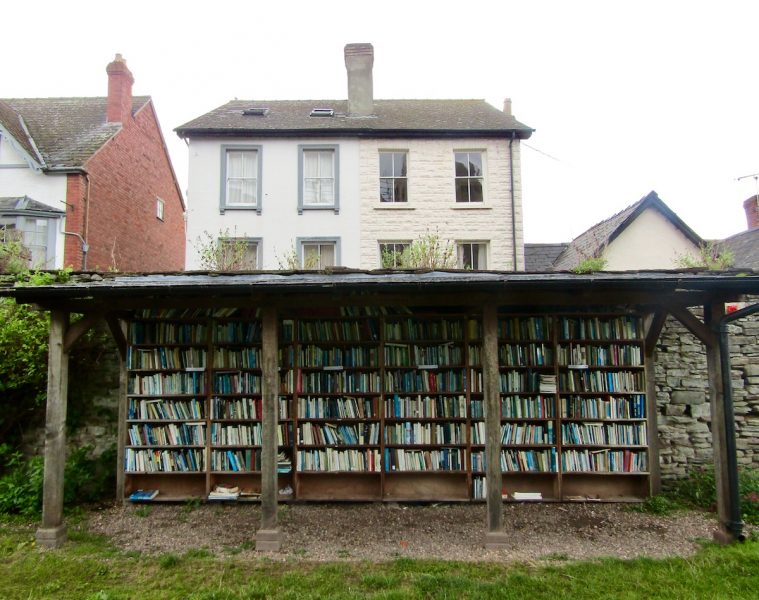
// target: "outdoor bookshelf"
[[387, 404]]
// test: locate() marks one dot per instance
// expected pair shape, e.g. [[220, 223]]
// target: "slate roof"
[[540, 257], [392, 117], [745, 248], [66, 131], [25, 205], [593, 241]]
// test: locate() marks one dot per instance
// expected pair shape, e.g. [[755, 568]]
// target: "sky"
[[625, 96]]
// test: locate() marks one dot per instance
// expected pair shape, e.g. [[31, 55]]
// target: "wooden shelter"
[[487, 300]]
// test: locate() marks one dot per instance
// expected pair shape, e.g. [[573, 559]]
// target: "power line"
[[543, 153]]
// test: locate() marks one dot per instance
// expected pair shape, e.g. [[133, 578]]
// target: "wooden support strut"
[[653, 325], [494, 537], [52, 532], [269, 537]]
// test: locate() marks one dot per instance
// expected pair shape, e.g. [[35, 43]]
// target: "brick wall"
[[126, 176], [76, 186]]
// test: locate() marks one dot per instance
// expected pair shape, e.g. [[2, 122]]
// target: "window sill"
[[471, 206], [332, 207], [249, 207], [394, 206]]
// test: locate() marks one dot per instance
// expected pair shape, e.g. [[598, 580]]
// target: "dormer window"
[[255, 111], [322, 112]]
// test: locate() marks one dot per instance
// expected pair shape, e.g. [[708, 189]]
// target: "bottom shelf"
[[430, 486], [364, 486]]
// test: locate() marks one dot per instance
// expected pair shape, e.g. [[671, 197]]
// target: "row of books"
[[236, 460], [543, 461], [599, 328], [613, 355], [193, 313], [348, 357], [522, 381], [166, 383], [237, 332], [523, 355], [425, 407], [330, 459], [338, 331], [415, 330], [237, 383], [167, 332], [524, 328], [444, 459], [425, 433], [630, 407], [172, 434], [321, 434], [161, 409], [166, 358], [406, 355], [164, 461], [331, 382], [311, 407], [237, 358], [517, 433], [614, 434], [612, 461], [422, 380], [583, 380]]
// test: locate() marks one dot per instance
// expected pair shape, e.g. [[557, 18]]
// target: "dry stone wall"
[[684, 415]]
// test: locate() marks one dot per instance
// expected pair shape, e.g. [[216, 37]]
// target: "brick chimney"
[[751, 206], [359, 60], [120, 82]]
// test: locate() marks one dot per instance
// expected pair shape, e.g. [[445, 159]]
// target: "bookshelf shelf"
[[383, 405]]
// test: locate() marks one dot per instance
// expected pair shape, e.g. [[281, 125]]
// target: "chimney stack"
[[507, 106], [120, 82], [359, 60], [751, 206]]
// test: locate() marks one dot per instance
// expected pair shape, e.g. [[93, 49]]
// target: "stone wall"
[[684, 415]]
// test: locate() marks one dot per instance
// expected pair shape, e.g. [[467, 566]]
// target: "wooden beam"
[[118, 331], [122, 432], [712, 314], [79, 328], [653, 323], [494, 536], [269, 537], [52, 532], [692, 324], [652, 327]]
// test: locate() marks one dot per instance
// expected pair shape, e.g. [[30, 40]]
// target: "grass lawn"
[[89, 567]]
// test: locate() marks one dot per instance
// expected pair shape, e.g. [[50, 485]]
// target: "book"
[[526, 495], [223, 492], [143, 495]]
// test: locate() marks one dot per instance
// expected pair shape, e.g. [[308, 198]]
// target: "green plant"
[[657, 505], [224, 252], [20, 482], [142, 511], [591, 264], [711, 256], [88, 478], [14, 257], [289, 261], [169, 561], [428, 251]]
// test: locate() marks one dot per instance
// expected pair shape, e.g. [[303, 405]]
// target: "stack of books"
[[223, 492], [143, 495]]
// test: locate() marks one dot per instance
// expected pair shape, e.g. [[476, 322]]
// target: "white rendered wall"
[[432, 206], [279, 223], [17, 178], [649, 242]]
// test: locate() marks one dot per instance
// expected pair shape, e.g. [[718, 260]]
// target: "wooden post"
[[122, 432], [268, 537], [494, 537], [653, 324], [712, 314], [52, 532]]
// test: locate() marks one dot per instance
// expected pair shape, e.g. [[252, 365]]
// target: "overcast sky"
[[625, 97]]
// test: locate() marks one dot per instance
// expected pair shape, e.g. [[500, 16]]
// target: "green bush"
[[87, 479]]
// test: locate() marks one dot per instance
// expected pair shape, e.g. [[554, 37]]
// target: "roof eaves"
[[521, 134]]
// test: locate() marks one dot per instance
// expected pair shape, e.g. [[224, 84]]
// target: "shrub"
[[428, 251], [591, 264], [711, 256]]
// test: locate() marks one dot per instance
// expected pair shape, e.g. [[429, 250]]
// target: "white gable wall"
[[279, 225], [650, 242]]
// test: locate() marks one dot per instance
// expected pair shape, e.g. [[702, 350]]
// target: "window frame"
[[393, 177], [302, 150], [302, 241], [469, 177], [256, 241], [225, 150], [459, 253], [160, 209], [381, 243]]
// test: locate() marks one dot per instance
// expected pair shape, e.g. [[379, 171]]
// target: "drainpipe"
[[513, 202], [85, 247], [735, 524]]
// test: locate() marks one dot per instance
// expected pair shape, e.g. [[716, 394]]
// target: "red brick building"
[[88, 182]]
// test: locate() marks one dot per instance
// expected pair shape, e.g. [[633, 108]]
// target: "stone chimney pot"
[[359, 60]]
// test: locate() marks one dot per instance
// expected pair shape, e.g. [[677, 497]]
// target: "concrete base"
[[721, 535], [496, 540], [268, 540], [51, 537]]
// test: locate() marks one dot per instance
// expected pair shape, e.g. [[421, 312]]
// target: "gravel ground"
[[385, 531]]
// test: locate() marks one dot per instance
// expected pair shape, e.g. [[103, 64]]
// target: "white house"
[[346, 182]]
